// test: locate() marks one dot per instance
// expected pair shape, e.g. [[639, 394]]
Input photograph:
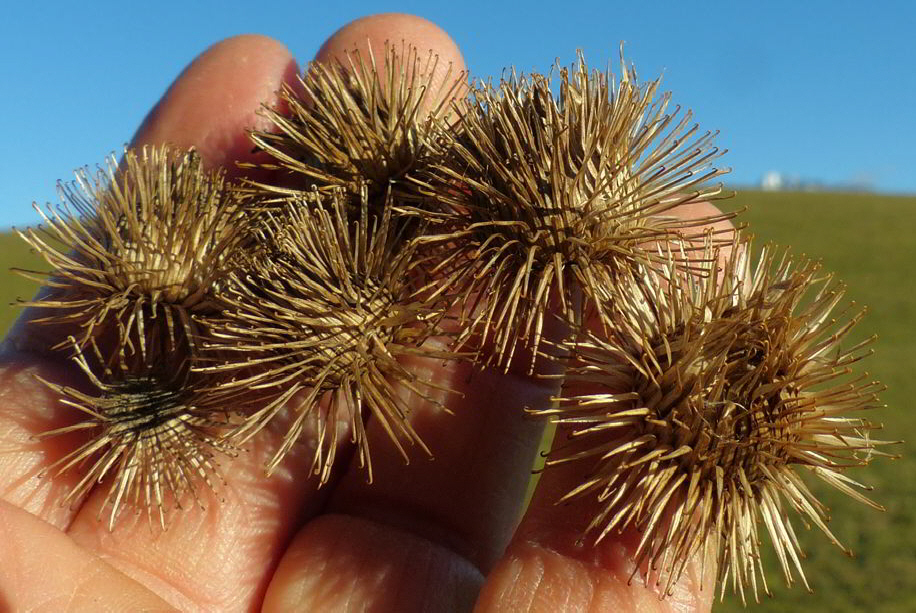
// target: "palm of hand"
[[431, 535]]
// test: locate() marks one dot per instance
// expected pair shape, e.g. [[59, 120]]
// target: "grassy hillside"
[[869, 242], [14, 252]]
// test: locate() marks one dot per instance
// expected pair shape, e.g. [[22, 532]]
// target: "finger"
[[547, 567], [28, 408], [210, 106], [458, 510], [241, 529], [373, 31], [216, 100], [472, 513], [722, 230], [427, 532], [31, 408], [342, 563], [468, 495], [80, 581]]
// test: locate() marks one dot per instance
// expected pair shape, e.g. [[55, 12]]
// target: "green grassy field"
[[869, 242]]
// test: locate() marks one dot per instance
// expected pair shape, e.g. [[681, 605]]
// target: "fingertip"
[[705, 210], [337, 561], [215, 100], [533, 577], [371, 33], [556, 564]]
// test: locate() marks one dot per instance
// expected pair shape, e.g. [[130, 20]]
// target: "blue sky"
[[822, 91]]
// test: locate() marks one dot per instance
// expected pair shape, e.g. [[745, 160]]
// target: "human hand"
[[433, 535]]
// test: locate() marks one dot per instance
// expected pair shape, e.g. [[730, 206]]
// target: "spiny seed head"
[[139, 243], [151, 434], [359, 120], [325, 318], [697, 413], [546, 195]]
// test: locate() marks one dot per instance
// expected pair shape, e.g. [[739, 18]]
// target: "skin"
[[442, 535]]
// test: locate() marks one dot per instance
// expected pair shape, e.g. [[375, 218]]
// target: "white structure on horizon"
[[772, 181]]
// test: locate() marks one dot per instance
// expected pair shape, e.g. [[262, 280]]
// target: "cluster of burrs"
[[537, 220]]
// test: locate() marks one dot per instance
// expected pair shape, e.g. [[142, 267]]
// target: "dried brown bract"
[[151, 434], [698, 413], [560, 193], [356, 122], [317, 329], [137, 245]]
